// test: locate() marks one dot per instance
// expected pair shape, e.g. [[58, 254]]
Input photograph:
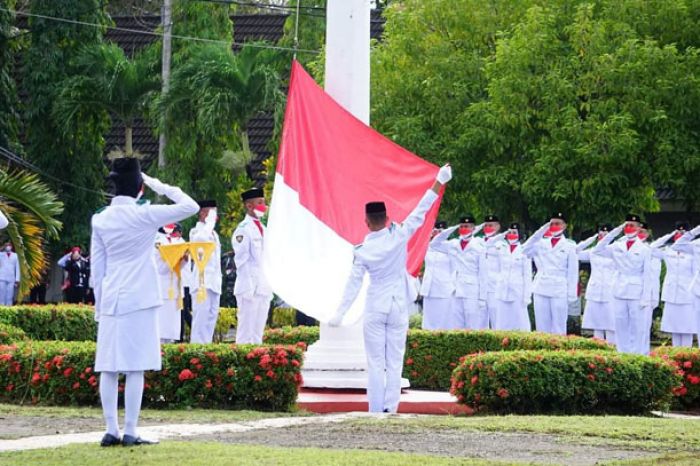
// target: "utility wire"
[[153, 33]]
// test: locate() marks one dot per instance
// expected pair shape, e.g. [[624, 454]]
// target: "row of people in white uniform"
[[487, 282]]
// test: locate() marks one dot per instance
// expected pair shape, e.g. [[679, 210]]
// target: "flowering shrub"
[[52, 322], [564, 382], [291, 335], [9, 334], [687, 361], [212, 376], [432, 356]]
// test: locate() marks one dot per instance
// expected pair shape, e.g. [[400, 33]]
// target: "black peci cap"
[[441, 224], [633, 218], [126, 175], [252, 194], [206, 203], [644, 225], [375, 208], [467, 219], [514, 226], [682, 225], [491, 218], [606, 227], [559, 216]]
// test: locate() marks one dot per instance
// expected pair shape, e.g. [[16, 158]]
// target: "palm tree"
[[105, 80], [32, 210]]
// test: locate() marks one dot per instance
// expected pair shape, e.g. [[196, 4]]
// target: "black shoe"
[[386, 410], [109, 440], [131, 441]]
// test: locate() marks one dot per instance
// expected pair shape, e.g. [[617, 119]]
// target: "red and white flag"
[[330, 164]]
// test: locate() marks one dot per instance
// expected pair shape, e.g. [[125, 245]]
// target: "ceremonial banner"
[[330, 164], [201, 253], [172, 254]]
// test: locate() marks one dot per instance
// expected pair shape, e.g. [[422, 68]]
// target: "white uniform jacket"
[[204, 233], [438, 281], [383, 256], [557, 266], [633, 267], [601, 282], [687, 245], [247, 242], [680, 270], [124, 274], [493, 248], [515, 279], [9, 267], [469, 273]]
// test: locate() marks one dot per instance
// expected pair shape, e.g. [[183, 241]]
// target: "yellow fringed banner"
[[172, 255], [201, 252]]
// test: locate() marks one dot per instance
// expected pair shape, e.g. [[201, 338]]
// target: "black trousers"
[[37, 295], [186, 313], [75, 295]]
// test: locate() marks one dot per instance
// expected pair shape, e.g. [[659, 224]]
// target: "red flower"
[[36, 378], [688, 364], [453, 364], [199, 367], [88, 370], [414, 374], [185, 374], [409, 361], [181, 348], [609, 370], [475, 380], [270, 374], [414, 345], [57, 361], [680, 391], [265, 360], [693, 379], [68, 372], [429, 358], [230, 372], [591, 365], [194, 361], [92, 381], [208, 384], [76, 385], [591, 377], [9, 388], [503, 393], [295, 363], [5, 357], [257, 378], [505, 341], [460, 384]]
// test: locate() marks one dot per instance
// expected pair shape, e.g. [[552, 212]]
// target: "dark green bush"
[[10, 334]]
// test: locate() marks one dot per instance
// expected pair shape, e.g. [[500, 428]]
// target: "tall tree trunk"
[[128, 144]]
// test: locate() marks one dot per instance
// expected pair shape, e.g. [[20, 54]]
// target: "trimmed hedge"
[[209, 376], [565, 382], [687, 361], [10, 334], [432, 356]]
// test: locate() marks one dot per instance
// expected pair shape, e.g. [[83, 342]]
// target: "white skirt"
[[436, 313], [169, 320], [129, 342], [598, 316], [679, 318], [512, 315]]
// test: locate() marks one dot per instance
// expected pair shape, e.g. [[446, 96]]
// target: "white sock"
[[109, 386], [133, 393]]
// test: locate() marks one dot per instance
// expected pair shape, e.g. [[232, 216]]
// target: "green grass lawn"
[[637, 432], [191, 416], [212, 454]]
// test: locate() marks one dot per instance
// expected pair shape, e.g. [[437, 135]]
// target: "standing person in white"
[[648, 311], [467, 260], [437, 286], [252, 291], [168, 313], [633, 286], [126, 299], [3, 221], [205, 312], [690, 245], [679, 316], [598, 314], [556, 281], [9, 275], [514, 287], [383, 256], [494, 247]]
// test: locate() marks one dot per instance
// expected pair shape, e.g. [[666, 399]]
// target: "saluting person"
[[494, 247], [383, 256], [598, 314], [126, 300], [205, 311], [252, 291], [689, 244], [556, 281], [645, 237], [514, 287], [437, 285]]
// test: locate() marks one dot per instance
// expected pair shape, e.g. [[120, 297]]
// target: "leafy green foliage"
[[687, 361], [583, 106], [52, 322], [564, 382], [9, 115], [10, 334]]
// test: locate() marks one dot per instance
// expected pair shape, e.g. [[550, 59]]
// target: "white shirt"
[[247, 242], [438, 281], [515, 279], [600, 283], [124, 274], [469, 273], [686, 244], [680, 270], [9, 267], [557, 266]]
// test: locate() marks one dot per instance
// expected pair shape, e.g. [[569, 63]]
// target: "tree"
[[9, 116], [32, 210], [73, 155], [105, 81], [583, 106]]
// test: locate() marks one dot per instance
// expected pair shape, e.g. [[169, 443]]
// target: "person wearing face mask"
[[168, 313], [467, 260], [689, 244], [632, 293], [205, 312], [78, 270], [514, 287], [252, 291], [495, 245], [437, 286], [9, 275], [676, 293], [556, 282], [598, 314], [645, 237]]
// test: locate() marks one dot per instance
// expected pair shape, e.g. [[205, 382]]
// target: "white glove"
[[445, 174], [695, 231], [155, 184], [211, 217], [336, 320]]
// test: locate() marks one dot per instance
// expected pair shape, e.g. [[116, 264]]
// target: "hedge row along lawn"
[[567, 382], [687, 361], [205, 376]]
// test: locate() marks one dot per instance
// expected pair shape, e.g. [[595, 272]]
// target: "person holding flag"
[[383, 256]]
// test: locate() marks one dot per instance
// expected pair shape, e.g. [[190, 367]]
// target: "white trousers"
[[607, 335], [682, 339], [551, 314], [492, 310], [512, 315], [385, 344], [631, 326], [466, 313], [204, 316], [251, 316], [436, 313], [7, 293]]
